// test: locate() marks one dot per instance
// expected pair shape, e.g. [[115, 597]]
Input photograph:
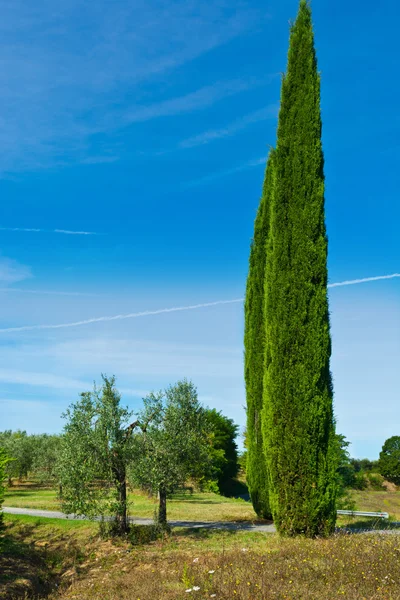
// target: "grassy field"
[[184, 506], [195, 507], [375, 501], [62, 560]]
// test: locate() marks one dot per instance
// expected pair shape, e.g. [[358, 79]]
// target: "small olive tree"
[[4, 460], [95, 451], [173, 443]]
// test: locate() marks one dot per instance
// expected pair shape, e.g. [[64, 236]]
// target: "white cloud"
[[256, 162], [20, 377], [197, 100], [12, 271], [147, 313], [133, 359], [71, 70], [35, 230], [56, 366], [211, 135], [44, 292]]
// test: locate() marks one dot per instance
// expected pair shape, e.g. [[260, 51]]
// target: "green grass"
[[197, 507], [183, 506], [48, 524], [31, 497]]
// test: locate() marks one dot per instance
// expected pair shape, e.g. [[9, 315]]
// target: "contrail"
[[160, 311], [34, 230], [119, 317], [365, 280], [45, 292]]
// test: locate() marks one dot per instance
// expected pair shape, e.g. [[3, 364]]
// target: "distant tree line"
[[357, 473], [363, 473], [30, 454]]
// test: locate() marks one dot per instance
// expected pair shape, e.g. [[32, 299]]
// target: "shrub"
[[375, 481], [360, 481]]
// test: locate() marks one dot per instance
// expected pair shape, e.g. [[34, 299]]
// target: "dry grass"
[[243, 565], [345, 567], [374, 501], [35, 553]]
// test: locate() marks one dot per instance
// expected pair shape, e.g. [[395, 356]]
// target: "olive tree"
[[173, 443], [95, 451], [3, 462], [46, 450], [19, 447]]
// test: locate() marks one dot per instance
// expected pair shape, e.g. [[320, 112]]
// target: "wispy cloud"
[[35, 230], [44, 292], [197, 100], [236, 126], [72, 73], [19, 377], [99, 160], [213, 176], [173, 309], [12, 271]]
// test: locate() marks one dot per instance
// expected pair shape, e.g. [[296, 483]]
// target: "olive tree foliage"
[[389, 460], [4, 460], [19, 447], [32, 455], [95, 451], [173, 443], [45, 453]]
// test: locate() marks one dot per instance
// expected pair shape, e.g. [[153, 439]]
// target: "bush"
[[375, 481], [209, 485], [144, 534], [360, 481]]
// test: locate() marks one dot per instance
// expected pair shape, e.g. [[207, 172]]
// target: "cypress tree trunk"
[[254, 342], [298, 422]]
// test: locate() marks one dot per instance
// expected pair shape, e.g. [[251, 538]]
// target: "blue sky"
[[148, 124]]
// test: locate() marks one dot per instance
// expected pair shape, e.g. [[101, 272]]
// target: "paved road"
[[242, 525], [229, 525]]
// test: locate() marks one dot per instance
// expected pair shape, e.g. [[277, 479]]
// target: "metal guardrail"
[[362, 513]]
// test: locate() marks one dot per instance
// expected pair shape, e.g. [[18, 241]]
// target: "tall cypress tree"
[[298, 423], [254, 341]]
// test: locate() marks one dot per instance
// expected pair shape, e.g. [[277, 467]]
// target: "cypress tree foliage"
[[254, 341], [298, 424]]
